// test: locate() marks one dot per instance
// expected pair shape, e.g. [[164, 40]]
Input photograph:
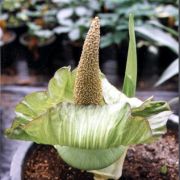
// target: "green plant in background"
[[42, 35], [42, 14], [115, 18], [148, 26], [171, 12], [74, 16], [174, 2], [12, 5], [91, 131], [151, 31], [114, 22], [169, 72], [22, 12]]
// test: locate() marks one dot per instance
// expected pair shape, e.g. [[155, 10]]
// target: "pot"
[[166, 57], [62, 55], [18, 160], [22, 28], [7, 50], [76, 51], [10, 39], [21, 156], [109, 63], [24, 40], [169, 21], [40, 57]]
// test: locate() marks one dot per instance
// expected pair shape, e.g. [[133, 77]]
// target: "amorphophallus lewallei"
[[89, 121]]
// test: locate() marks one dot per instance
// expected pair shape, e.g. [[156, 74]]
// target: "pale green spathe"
[[51, 117]]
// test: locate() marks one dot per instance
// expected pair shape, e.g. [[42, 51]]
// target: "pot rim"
[[13, 37], [46, 43], [18, 160], [21, 25]]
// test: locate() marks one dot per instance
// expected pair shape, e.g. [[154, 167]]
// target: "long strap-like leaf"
[[129, 86]]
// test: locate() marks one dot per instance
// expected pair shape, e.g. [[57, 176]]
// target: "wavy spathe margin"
[[91, 127]]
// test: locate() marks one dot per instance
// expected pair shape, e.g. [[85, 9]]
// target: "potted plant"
[[43, 14], [14, 21], [90, 123], [6, 36], [39, 42], [7, 39], [167, 13]]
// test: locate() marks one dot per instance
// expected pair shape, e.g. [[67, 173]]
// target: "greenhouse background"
[[37, 37]]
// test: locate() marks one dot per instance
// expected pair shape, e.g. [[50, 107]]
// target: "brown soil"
[[45, 164], [157, 161]]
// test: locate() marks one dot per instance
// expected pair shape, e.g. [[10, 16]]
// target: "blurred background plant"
[[74, 17], [11, 8], [156, 25]]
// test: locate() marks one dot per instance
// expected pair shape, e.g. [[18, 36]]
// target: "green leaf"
[[156, 113], [157, 35], [158, 24], [74, 34], [129, 85], [149, 108], [119, 36], [171, 70], [106, 40], [163, 169], [61, 29]]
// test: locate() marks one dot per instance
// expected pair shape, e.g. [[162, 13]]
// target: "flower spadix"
[[88, 121], [88, 88]]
